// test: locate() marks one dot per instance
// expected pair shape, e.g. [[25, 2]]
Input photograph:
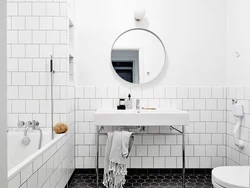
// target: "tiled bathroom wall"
[[206, 133], [36, 30], [235, 155]]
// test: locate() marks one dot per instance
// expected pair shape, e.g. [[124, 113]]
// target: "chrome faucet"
[[34, 125], [138, 104]]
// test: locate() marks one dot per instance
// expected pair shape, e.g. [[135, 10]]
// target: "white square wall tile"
[[38, 9], [171, 162], [101, 92], [32, 51], [12, 9], [18, 50], [159, 92], [147, 162], [24, 9], [188, 104], [18, 23], [39, 37], [25, 37], [205, 162], [211, 104], [211, 150], [153, 150], [206, 116], [211, 127], [32, 23], [39, 92], [18, 106], [182, 92], [52, 9], [12, 92], [159, 162], [60, 23], [25, 92], [200, 104], [199, 127], [18, 78], [89, 92], [193, 162], [25, 64], [141, 150], [199, 151], [218, 92], [32, 106], [83, 151], [12, 37], [12, 64], [217, 161], [176, 151], [136, 162], [165, 151], [205, 139], [95, 104], [194, 92], [52, 37], [205, 92], [171, 92], [45, 23], [217, 115], [84, 104], [194, 139]]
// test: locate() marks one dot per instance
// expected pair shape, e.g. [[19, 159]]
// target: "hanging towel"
[[118, 146]]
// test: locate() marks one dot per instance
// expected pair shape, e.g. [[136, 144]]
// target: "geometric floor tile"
[[147, 181]]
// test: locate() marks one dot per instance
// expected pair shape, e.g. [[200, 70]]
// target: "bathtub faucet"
[[34, 125]]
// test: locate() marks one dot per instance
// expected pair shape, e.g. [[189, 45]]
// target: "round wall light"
[[139, 14]]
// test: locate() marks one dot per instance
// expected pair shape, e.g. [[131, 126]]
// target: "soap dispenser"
[[129, 102]]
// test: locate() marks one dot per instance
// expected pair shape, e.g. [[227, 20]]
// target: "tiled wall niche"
[[206, 134]]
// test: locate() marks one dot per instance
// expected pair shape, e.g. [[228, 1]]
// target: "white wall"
[[193, 32], [238, 38], [3, 96]]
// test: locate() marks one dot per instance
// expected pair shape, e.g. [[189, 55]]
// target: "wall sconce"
[[139, 14]]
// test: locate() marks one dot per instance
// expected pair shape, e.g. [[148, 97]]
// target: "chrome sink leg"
[[183, 156]]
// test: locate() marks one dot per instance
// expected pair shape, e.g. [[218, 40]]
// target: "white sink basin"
[[158, 117]]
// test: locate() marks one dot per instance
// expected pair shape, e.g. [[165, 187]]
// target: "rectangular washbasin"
[[158, 117]]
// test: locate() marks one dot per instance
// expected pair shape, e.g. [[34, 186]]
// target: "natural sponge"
[[60, 128]]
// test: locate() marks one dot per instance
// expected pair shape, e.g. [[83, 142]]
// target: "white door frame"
[[3, 94]]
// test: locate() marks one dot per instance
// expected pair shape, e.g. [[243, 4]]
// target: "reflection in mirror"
[[138, 56]]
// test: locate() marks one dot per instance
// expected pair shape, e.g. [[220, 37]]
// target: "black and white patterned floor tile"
[[147, 181]]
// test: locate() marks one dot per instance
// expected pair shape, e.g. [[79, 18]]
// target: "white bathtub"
[[19, 155]]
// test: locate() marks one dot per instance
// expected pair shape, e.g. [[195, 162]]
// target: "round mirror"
[[138, 56]]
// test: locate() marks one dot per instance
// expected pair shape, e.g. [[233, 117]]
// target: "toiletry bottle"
[[129, 102]]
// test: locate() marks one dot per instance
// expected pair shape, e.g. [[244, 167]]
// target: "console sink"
[[158, 117]]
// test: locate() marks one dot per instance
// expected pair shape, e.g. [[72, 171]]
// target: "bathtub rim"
[[18, 168]]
